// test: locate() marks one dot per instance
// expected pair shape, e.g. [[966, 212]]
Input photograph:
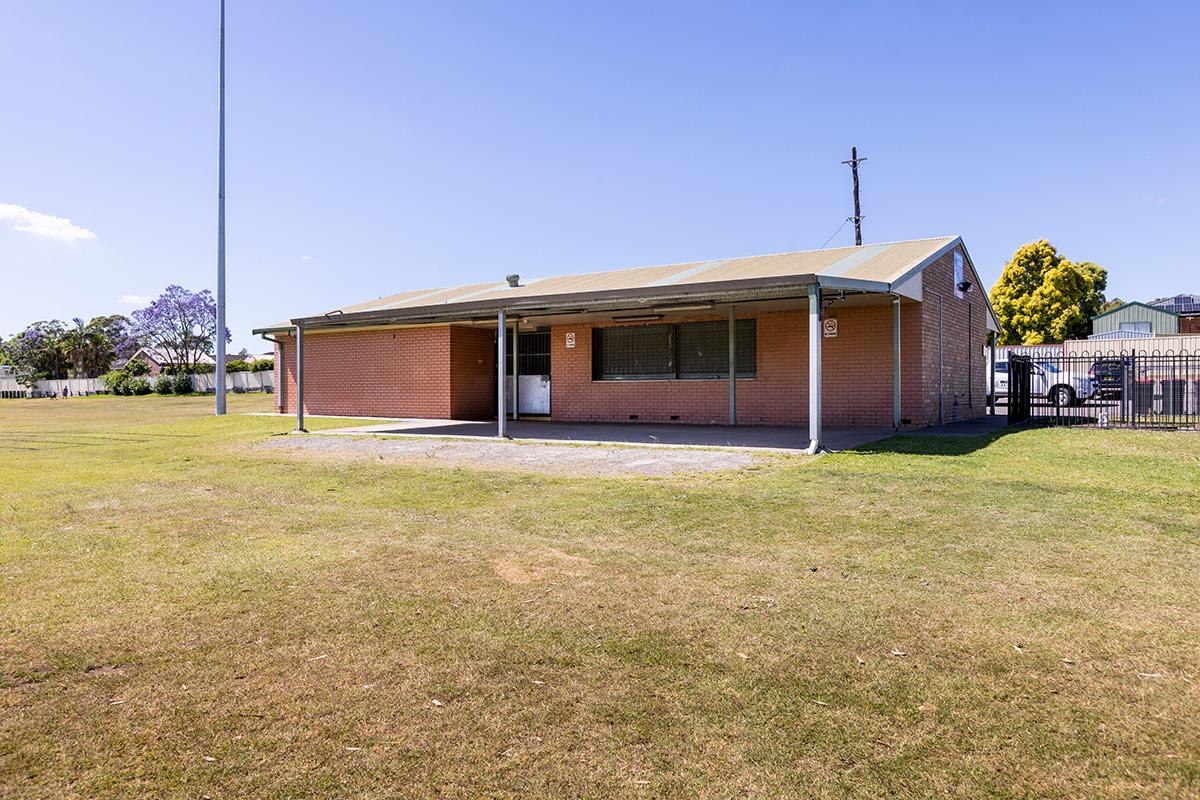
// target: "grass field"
[[182, 615]]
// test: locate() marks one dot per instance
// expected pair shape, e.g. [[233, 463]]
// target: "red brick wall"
[[574, 396], [472, 373], [956, 354], [1189, 325], [856, 390], [435, 372]]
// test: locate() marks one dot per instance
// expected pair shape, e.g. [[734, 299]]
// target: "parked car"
[[1109, 376], [1000, 380], [1060, 387]]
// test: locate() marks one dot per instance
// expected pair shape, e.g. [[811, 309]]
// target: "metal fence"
[[1122, 389]]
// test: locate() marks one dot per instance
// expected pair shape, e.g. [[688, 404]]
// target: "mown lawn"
[[182, 615]]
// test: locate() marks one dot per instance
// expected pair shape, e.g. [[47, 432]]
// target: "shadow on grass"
[[934, 445]]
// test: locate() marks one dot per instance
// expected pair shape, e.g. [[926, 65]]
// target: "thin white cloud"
[[40, 224], [306, 258], [134, 300]]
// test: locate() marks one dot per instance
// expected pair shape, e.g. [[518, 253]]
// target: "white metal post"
[[500, 331], [992, 376], [516, 372], [220, 375], [814, 368], [732, 366], [896, 362], [300, 379]]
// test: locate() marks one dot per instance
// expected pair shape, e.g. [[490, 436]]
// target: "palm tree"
[[88, 348]]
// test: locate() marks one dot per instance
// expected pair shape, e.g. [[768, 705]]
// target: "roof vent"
[[514, 280]]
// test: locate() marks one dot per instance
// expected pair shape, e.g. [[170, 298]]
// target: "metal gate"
[[1130, 389], [532, 383], [1020, 381]]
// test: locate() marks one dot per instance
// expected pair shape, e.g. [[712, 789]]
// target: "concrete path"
[[789, 439]]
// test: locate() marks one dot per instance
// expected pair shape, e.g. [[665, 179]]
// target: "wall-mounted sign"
[[570, 340], [829, 327]]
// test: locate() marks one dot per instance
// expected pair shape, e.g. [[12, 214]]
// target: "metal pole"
[[992, 400], [896, 362], [516, 372], [732, 366], [814, 369], [220, 375], [501, 326], [300, 379]]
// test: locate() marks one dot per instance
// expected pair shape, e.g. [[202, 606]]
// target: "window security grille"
[[687, 351]]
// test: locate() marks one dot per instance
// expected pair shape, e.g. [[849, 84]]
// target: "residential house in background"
[[159, 361], [1187, 306]]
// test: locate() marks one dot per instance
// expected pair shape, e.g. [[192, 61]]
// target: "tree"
[[1042, 297], [117, 328], [1094, 302], [37, 352], [180, 323]]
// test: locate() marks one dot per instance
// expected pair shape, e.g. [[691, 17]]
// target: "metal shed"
[[1138, 317]]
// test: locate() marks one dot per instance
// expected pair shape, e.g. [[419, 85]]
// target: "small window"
[[1001, 366], [958, 274], [643, 352], [1143, 327]]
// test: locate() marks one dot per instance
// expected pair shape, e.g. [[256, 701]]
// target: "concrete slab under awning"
[[765, 437]]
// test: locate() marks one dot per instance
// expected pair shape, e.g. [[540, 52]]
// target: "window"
[[533, 353], [1136, 326], [703, 349], [1001, 366], [691, 350], [958, 274]]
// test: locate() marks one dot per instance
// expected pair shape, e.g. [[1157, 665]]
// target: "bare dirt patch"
[[576, 460], [551, 563]]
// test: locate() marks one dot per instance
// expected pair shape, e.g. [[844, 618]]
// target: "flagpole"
[[220, 376]]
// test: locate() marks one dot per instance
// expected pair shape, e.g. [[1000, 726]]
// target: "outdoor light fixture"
[[965, 286], [694, 307], [638, 318]]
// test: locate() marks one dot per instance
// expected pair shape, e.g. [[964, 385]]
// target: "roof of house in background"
[[1179, 304], [159, 356], [883, 267]]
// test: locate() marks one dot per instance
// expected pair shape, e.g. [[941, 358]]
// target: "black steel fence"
[[1114, 390]]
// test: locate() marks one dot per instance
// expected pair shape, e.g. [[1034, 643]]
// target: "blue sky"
[[380, 146]]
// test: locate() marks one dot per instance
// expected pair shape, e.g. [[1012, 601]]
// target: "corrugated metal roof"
[[873, 268]]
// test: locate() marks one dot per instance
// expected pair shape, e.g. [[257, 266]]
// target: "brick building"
[[898, 331]]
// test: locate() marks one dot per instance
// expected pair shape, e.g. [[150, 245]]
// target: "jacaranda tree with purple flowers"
[[180, 323]]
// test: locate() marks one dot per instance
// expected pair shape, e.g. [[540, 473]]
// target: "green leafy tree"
[[1042, 297]]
